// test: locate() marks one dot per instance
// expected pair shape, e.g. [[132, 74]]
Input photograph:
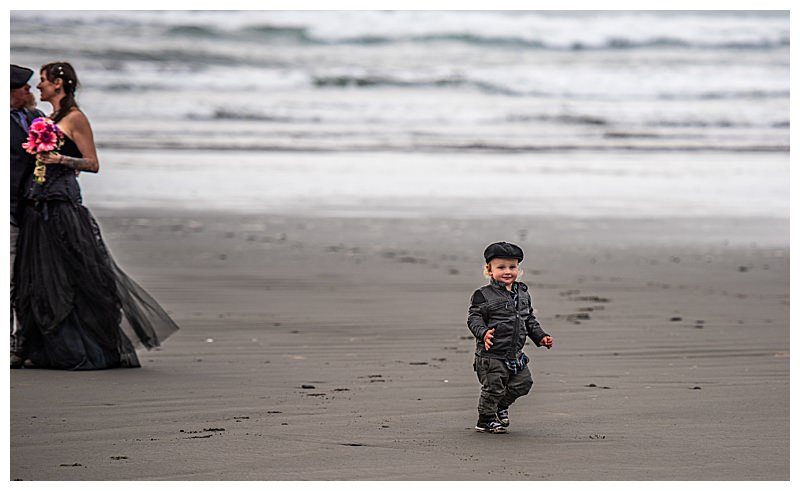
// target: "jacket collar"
[[502, 286], [519, 286]]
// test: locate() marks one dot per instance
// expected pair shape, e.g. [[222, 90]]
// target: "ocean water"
[[430, 112]]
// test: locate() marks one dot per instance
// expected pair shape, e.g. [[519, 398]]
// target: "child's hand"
[[487, 339], [547, 342]]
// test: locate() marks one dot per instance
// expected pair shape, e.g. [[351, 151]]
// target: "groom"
[[23, 111]]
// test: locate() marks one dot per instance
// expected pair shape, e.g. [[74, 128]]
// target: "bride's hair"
[[64, 71]]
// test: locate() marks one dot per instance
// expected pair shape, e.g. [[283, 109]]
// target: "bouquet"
[[43, 136]]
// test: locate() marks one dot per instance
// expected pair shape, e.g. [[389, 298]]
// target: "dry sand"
[[336, 349]]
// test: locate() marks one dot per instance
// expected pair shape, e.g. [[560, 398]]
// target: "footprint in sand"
[[374, 378]]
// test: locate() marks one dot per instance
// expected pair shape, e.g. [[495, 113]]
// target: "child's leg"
[[518, 385], [493, 376]]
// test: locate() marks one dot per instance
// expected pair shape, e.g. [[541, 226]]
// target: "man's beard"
[[30, 101]]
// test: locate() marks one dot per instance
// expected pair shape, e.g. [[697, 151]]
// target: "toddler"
[[500, 318]]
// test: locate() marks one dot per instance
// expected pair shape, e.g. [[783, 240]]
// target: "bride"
[[78, 310]]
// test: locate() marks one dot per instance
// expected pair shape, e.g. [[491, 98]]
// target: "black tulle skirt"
[[77, 309]]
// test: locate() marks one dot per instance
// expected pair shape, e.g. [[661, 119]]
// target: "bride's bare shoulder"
[[74, 121], [75, 115]]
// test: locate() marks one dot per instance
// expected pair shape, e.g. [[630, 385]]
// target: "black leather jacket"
[[492, 307], [22, 163]]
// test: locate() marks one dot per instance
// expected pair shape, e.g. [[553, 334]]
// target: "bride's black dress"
[[78, 310]]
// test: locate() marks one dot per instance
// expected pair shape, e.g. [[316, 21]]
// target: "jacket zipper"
[[516, 326]]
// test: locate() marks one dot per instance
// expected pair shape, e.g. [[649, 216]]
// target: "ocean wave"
[[442, 82], [581, 120], [609, 145], [306, 36], [538, 30], [589, 120], [613, 128], [117, 54], [129, 71], [731, 94], [715, 123], [257, 33], [616, 43], [192, 30], [377, 81], [282, 33], [232, 115]]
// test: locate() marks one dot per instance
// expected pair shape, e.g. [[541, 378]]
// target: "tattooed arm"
[[78, 164]]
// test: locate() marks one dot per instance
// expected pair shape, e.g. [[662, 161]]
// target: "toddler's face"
[[504, 270]]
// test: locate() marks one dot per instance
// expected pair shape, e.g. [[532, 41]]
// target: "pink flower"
[[43, 136]]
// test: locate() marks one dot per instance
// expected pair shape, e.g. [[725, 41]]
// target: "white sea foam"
[[375, 184]]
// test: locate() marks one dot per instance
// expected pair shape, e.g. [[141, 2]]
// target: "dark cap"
[[503, 250], [20, 76]]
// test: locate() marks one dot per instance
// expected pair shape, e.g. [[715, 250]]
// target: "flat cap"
[[503, 250], [20, 76]]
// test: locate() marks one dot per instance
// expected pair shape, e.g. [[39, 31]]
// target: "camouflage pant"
[[500, 387]]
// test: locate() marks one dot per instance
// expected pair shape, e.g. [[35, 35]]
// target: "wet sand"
[[336, 349]]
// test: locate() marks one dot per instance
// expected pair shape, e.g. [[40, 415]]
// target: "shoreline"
[[670, 335]]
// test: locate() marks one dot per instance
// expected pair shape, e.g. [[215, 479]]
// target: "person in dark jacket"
[[501, 318], [23, 112]]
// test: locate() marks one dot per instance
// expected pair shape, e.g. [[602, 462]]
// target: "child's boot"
[[502, 416], [489, 424]]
